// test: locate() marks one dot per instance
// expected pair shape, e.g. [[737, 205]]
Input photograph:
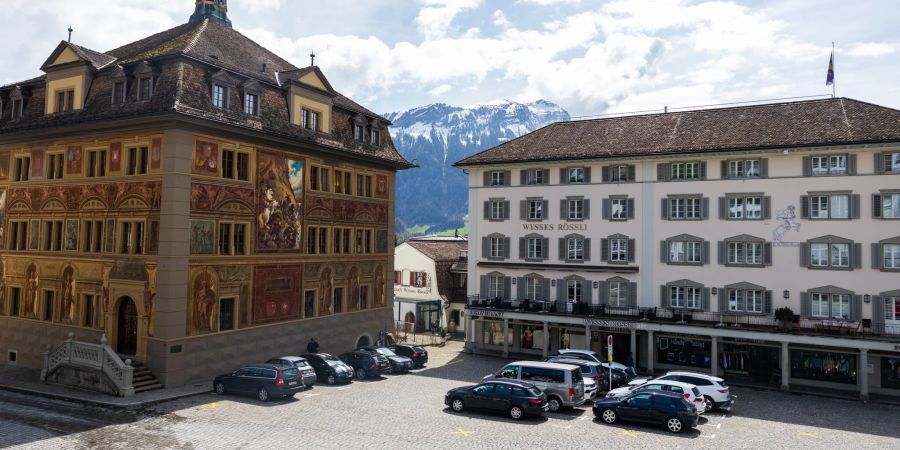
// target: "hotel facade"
[[195, 198], [684, 235]]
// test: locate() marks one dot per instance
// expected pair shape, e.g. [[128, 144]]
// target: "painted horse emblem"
[[788, 222]]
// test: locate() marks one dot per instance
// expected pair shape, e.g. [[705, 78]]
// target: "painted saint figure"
[[68, 298]]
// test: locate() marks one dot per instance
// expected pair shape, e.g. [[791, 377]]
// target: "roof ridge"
[[200, 30]]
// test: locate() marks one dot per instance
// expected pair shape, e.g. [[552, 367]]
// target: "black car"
[[658, 407], [366, 364], [262, 380], [417, 354], [307, 373], [399, 364], [329, 368], [515, 398]]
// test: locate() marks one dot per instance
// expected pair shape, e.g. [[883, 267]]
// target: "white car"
[[590, 388], [590, 355], [690, 392], [716, 393]]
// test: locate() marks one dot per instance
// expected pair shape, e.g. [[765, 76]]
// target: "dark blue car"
[[657, 407], [264, 381]]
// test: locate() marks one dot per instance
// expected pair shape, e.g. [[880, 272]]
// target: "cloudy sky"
[[589, 56]]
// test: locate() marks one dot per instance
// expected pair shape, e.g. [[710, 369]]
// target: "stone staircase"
[[143, 380]]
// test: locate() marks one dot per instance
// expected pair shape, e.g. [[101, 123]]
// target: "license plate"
[[292, 383]]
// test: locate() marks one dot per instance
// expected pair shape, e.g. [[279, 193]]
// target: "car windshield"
[[291, 374], [329, 358], [385, 352], [334, 363], [534, 391]]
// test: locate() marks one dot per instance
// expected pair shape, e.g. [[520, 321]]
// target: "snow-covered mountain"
[[435, 136]]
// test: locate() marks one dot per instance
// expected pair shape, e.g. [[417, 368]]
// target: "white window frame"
[[535, 248], [618, 209], [220, 96], [890, 206], [576, 175], [829, 206], [497, 249], [890, 254], [618, 293], [573, 291], [533, 288], [685, 208], [685, 252], [575, 249], [495, 286], [498, 178], [497, 212], [576, 209], [686, 171], [618, 173], [745, 253], [536, 210], [618, 250], [829, 165], [251, 103]]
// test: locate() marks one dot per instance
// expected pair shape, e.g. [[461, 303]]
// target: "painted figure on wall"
[[155, 153], [204, 302], [276, 293], [37, 163], [150, 299], [353, 282], [2, 218], [381, 186], [115, 156], [71, 235], [379, 286], [206, 158], [73, 160], [35, 237], [788, 218], [68, 297], [104, 296], [280, 205], [31, 285], [202, 237], [4, 166], [326, 283]]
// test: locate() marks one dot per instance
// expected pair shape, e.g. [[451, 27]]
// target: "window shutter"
[[523, 177], [412, 278], [604, 249], [523, 209], [507, 177], [854, 206], [485, 247], [702, 170], [664, 212], [663, 296], [724, 169], [604, 174], [704, 299], [545, 289], [484, 287], [704, 208], [856, 256], [631, 174], [521, 289], [563, 209], [587, 292], [506, 248], [560, 290], [545, 248], [487, 210], [523, 248], [878, 306], [487, 178], [876, 205], [632, 294], [631, 250], [767, 302], [546, 176], [804, 255], [562, 249], [629, 205], [587, 174], [506, 209], [807, 166], [663, 252], [586, 208], [507, 288], [851, 164], [607, 204], [587, 249], [804, 207], [603, 296], [767, 207], [879, 163], [545, 206], [723, 206], [767, 253], [704, 252], [876, 256], [764, 168], [723, 300], [564, 175], [856, 307], [720, 254], [662, 172], [805, 307]]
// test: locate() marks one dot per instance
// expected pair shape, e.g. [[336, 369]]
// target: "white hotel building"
[[682, 233]]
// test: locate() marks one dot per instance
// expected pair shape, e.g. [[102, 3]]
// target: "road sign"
[[609, 340]]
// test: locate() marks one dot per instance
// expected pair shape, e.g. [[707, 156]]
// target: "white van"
[[563, 383]]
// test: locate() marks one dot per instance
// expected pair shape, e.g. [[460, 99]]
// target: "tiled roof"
[[440, 250], [97, 59], [793, 124]]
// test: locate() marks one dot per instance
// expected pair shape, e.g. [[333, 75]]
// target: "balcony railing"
[[862, 328]]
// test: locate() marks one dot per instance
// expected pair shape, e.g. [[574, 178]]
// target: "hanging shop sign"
[[491, 314], [609, 323]]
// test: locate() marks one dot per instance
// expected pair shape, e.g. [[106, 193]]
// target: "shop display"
[[683, 352], [823, 366], [890, 373]]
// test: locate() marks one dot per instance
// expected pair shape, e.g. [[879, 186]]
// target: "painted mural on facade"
[[111, 195], [71, 234], [203, 303], [2, 218], [276, 291], [280, 204], [68, 295], [202, 237], [206, 158], [115, 156], [73, 160]]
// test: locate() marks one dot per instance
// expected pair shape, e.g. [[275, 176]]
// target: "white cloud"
[[259, 5], [550, 2], [440, 90], [500, 19], [873, 49], [436, 17]]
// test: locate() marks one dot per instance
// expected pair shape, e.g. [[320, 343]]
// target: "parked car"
[[590, 355], [399, 364], [329, 368], [563, 384], [592, 370], [418, 354], [658, 407], [262, 380], [307, 373], [366, 364], [690, 392], [716, 393], [515, 398]]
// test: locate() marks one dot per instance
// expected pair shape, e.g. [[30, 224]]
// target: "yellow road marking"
[[807, 434], [462, 432], [630, 433], [213, 405]]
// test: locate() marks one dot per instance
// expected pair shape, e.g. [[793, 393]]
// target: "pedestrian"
[[629, 362], [312, 346]]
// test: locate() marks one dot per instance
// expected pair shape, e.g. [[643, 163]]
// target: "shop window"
[[824, 366], [492, 333], [683, 352], [890, 373]]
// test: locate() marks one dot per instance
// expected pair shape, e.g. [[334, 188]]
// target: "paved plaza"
[[407, 412]]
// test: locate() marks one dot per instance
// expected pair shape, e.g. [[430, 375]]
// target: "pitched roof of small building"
[[448, 250], [834, 121]]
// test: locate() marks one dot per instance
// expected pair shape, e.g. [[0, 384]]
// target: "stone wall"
[[30, 338]]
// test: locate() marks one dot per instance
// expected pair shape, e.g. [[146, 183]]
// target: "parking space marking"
[[212, 405], [567, 427], [809, 434], [344, 388], [712, 436], [630, 433], [718, 426], [310, 395], [459, 431]]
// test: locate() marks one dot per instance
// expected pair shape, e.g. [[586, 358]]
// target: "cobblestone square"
[[407, 412]]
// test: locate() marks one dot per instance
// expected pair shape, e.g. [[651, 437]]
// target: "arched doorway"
[[126, 336], [363, 341]]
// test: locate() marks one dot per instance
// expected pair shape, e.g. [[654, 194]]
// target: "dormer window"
[[145, 88], [118, 93], [17, 107], [358, 132], [220, 96], [251, 104], [309, 119], [376, 137], [65, 100]]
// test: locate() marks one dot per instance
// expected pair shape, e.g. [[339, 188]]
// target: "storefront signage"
[[555, 226], [412, 290], [486, 313], [609, 323]]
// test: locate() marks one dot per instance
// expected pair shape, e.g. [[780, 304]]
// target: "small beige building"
[[430, 283]]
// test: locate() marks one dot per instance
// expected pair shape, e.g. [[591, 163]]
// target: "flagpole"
[[834, 81]]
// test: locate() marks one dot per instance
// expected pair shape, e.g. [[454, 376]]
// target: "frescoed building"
[[196, 198], [683, 235]]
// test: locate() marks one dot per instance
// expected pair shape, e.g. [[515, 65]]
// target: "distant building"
[[196, 198], [430, 283], [681, 234]]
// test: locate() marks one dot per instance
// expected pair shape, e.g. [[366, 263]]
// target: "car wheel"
[[609, 416], [220, 388], [554, 404], [262, 394], [516, 413], [674, 425], [457, 405], [708, 401], [361, 374], [331, 379]]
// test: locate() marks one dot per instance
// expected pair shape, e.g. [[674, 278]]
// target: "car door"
[[638, 407], [480, 397], [238, 381], [502, 398]]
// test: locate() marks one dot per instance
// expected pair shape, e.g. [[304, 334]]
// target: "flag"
[[829, 79]]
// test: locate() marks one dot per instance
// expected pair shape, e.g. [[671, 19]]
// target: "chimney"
[[213, 10]]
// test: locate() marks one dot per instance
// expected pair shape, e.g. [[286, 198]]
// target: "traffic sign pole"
[[609, 357]]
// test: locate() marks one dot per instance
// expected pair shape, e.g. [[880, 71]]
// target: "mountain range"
[[433, 197]]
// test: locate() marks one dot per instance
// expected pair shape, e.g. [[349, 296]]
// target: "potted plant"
[[785, 318]]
